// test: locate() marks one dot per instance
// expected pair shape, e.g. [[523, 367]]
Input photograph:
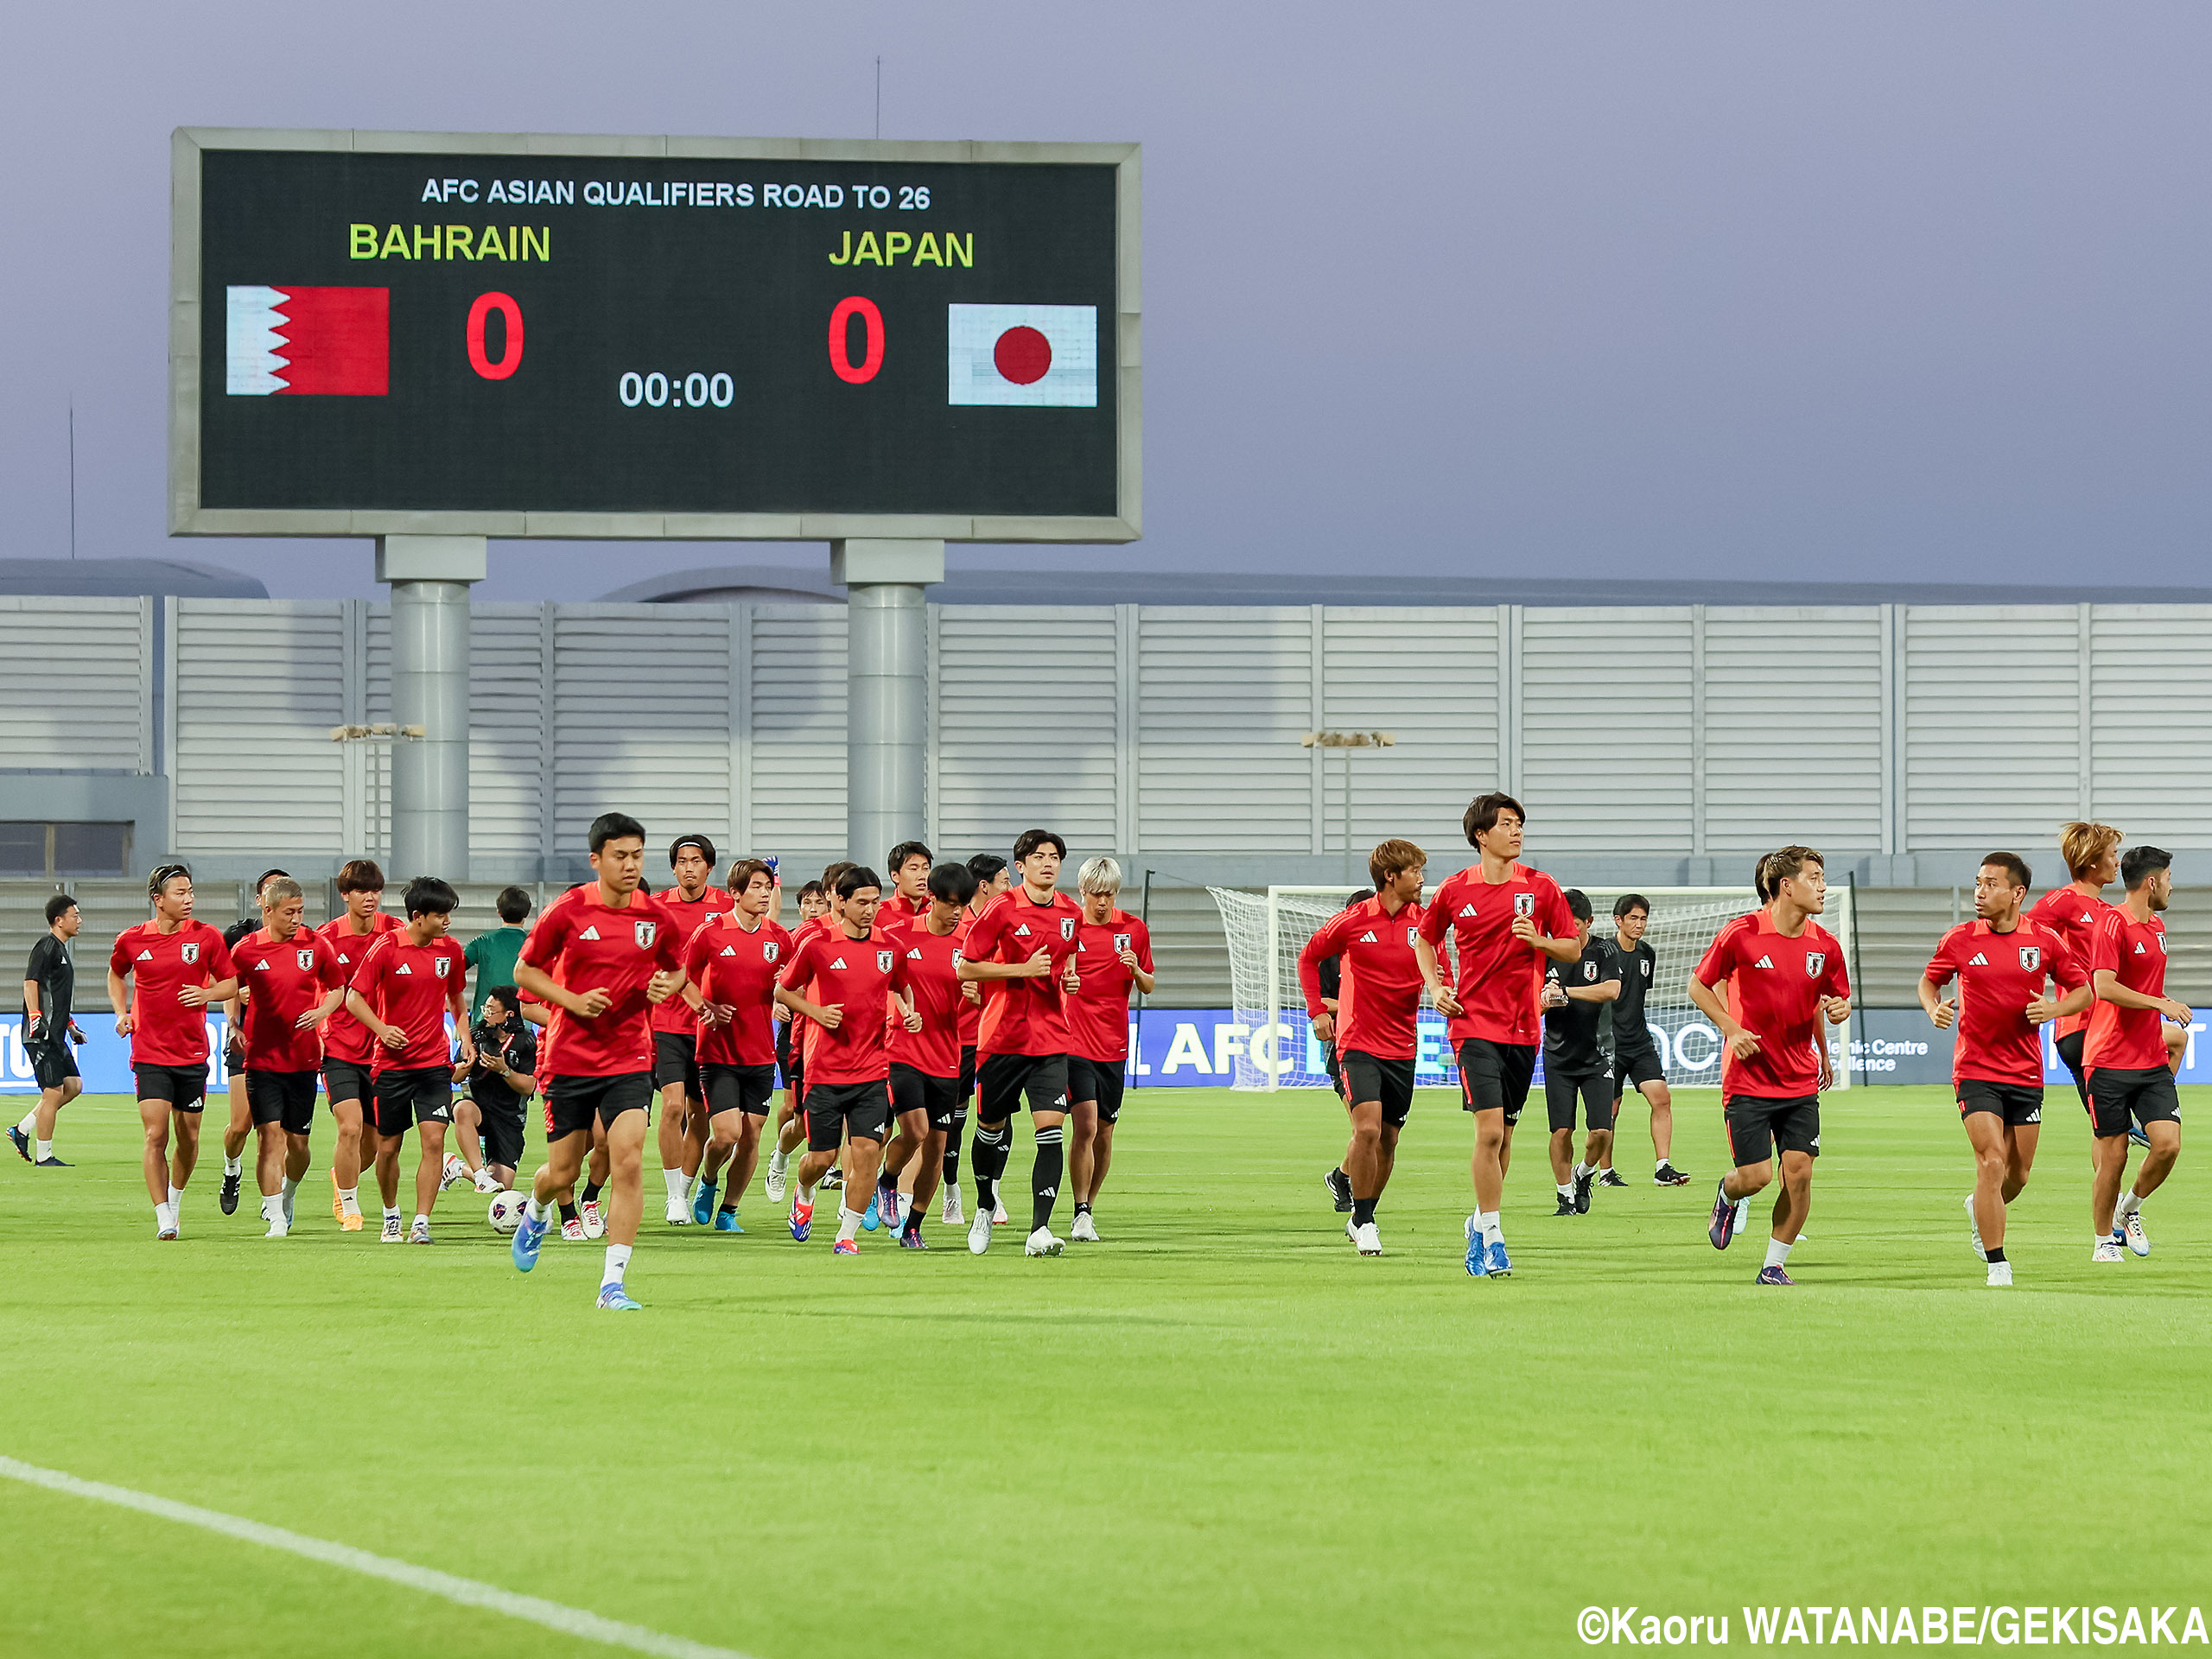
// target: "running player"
[[1505, 919], [1577, 996], [241, 1126], [2073, 911], [1113, 957], [348, 1050], [602, 954], [49, 987], [791, 1127], [842, 979], [1636, 1056], [1374, 1030], [290, 984], [925, 1054], [2129, 1053], [177, 968], [2003, 961], [992, 879], [691, 904], [410, 980], [909, 900], [1017, 950], [1332, 973], [488, 1119], [1784, 973], [732, 961]]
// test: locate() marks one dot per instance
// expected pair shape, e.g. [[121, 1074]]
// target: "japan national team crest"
[[883, 962], [442, 964], [189, 952], [770, 950], [2030, 957], [305, 958], [1814, 961], [646, 933], [1121, 943], [1067, 927], [1589, 970], [1525, 904], [1412, 933]]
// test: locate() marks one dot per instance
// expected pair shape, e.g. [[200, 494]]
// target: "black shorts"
[[783, 1050], [52, 1064], [2069, 1055], [1635, 1069], [745, 1088], [836, 1109], [2118, 1093], [572, 1104], [185, 1087], [1756, 1126], [676, 1059], [1497, 1075], [501, 1128], [917, 1091], [1362, 1077], [1003, 1079], [420, 1094], [285, 1098], [967, 1076], [2014, 1103], [1098, 1080], [1594, 1091], [343, 1080], [1329, 1070]]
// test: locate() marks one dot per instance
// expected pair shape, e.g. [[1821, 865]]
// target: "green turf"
[[1220, 1432]]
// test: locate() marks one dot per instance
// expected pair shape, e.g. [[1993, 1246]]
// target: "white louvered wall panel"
[[258, 688], [2151, 723], [641, 720], [1025, 726], [1992, 725], [1793, 729], [74, 689], [1224, 696], [1607, 705], [1431, 678], [506, 723], [798, 729]]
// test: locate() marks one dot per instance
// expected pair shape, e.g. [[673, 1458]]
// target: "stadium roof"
[[125, 579], [785, 584]]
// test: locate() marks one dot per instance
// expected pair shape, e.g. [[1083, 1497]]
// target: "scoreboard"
[[386, 333]]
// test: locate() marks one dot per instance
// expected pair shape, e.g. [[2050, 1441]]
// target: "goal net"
[[1266, 931]]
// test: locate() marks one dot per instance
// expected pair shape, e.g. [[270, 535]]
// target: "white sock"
[[1486, 1224], [422, 1220], [349, 1199], [805, 1194], [45, 1150], [618, 1263], [1777, 1252], [291, 1187], [233, 1166], [778, 1161], [176, 1194], [1658, 1163], [532, 1208], [272, 1208], [2129, 1204], [161, 1216], [1581, 1170], [674, 1178], [906, 1208], [848, 1223], [1567, 1189], [29, 1123], [391, 1212]]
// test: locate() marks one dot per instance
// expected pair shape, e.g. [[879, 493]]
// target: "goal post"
[[1266, 931]]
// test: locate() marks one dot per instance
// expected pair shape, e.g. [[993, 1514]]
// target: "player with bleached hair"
[[1112, 957]]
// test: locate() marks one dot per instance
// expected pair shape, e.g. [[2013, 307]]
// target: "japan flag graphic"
[[1027, 355], [330, 341]]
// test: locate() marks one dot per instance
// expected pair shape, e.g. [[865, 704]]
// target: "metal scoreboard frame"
[[188, 367]]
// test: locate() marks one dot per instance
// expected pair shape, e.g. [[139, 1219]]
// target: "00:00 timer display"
[[658, 391]]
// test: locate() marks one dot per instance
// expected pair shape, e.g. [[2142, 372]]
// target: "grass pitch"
[[1220, 1432]]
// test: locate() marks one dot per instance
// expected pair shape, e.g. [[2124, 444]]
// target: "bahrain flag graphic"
[[330, 341], [1022, 354]]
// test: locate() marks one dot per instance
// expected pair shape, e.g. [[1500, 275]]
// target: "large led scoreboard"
[[390, 334]]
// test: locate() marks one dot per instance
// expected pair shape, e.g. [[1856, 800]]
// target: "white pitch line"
[[568, 1621]]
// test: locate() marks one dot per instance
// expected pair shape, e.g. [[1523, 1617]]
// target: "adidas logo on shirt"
[[840, 962], [2140, 950], [1977, 960], [914, 955], [1466, 910], [260, 967], [406, 970], [1764, 962], [1021, 932], [145, 956], [1368, 937], [730, 950], [589, 933]]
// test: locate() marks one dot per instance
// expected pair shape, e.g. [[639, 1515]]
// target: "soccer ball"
[[506, 1212]]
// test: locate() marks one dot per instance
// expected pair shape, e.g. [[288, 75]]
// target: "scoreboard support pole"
[[886, 688], [430, 577]]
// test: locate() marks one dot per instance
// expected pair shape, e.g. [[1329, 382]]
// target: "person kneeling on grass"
[[489, 1117]]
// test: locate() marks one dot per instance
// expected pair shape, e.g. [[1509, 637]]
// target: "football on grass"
[[506, 1212]]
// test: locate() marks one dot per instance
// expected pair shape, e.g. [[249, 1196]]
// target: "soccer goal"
[[1267, 931]]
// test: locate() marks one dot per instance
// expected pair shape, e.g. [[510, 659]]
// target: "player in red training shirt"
[[603, 954], [992, 879], [909, 900], [1112, 957], [1785, 973], [348, 1050], [2092, 855], [2127, 1052], [841, 980], [691, 904], [406, 985], [790, 1124], [925, 1054], [734, 961], [176, 967], [2003, 961], [290, 983], [1016, 949], [1376, 945], [1508, 924]]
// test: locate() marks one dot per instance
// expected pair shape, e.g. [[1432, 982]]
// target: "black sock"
[[990, 1150], [591, 1191], [728, 1208], [1997, 1254], [1363, 1211], [890, 1181], [568, 1212], [1082, 1208], [1044, 1178], [953, 1151]]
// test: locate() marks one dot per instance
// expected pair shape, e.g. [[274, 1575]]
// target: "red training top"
[[282, 979], [1022, 1016], [160, 965], [831, 968], [1098, 1011], [414, 986], [1379, 987], [587, 945], [971, 1014], [1775, 988], [1500, 979], [344, 1038], [688, 916], [732, 966], [2127, 1039], [931, 983], [1999, 974], [2073, 919]]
